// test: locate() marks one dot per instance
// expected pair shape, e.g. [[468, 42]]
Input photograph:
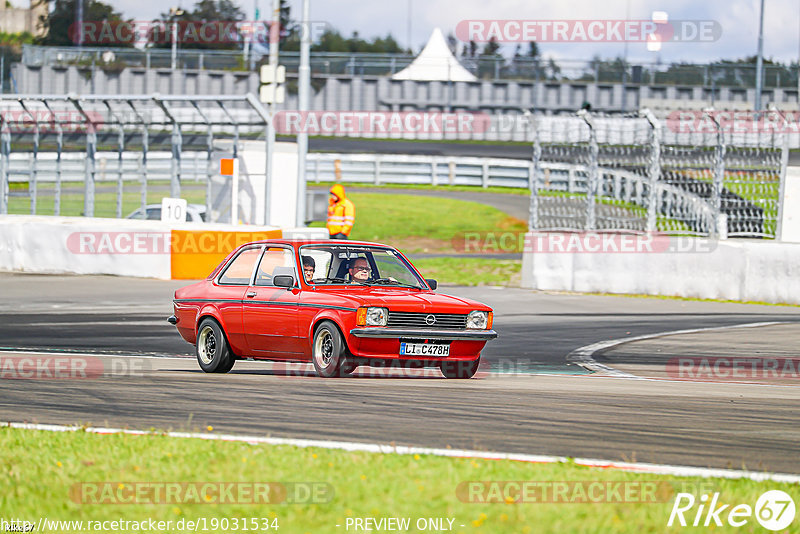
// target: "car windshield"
[[357, 265]]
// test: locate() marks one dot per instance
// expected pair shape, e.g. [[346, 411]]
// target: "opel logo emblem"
[[430, 319]]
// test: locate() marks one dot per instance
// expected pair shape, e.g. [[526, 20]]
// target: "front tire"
[[460, 370], [213, 353], [328, 351]]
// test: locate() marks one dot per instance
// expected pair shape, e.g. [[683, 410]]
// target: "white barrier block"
[[733, 269]]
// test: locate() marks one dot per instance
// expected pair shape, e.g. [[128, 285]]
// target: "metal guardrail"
[[586, 172], [44, 120]]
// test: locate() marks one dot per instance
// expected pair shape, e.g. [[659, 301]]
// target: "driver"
[[359, 270]]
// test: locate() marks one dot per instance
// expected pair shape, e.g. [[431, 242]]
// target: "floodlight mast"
[[303, 84]]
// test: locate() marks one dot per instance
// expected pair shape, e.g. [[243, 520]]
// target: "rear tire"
[[460, 370], [328, 351], [213, 353]]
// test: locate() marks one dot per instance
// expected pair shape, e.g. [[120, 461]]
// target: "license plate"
[[424, 349]]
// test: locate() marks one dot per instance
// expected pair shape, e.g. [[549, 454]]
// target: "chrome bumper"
[[382, 332]]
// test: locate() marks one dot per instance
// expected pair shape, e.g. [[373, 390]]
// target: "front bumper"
[[417, 333]]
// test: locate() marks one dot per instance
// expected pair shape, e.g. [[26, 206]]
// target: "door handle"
[[251, 294]]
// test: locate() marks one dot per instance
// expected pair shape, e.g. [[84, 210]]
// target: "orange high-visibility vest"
[[341, 213]]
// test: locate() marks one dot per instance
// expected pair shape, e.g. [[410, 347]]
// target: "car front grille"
[[418, 320]]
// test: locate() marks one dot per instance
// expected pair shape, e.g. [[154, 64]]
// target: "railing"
[[585, 172], [624, 197], [485, 67]]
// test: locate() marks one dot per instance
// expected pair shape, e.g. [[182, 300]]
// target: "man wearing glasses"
[[359, 270]]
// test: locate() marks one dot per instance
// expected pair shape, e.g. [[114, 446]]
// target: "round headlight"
[[377, 316], [478, 320]]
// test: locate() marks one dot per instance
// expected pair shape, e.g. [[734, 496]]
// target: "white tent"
[[435, 63]]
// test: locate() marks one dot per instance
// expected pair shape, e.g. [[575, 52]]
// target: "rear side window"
[[240, 269]]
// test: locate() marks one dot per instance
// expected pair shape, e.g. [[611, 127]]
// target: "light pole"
[[408, 28], [760, 58], [79, 21], [174, 13], [303, 86]]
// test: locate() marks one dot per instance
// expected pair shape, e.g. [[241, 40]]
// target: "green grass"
[[471, 271], [764, 194], [41, 468], [462, 188], [424, 224], [72, 197]]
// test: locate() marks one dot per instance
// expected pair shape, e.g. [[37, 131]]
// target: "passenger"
[[308, 268]]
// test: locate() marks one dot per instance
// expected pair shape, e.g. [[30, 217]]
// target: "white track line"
[[584, 356], [659, 469]]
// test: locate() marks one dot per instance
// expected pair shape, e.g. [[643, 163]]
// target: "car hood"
[[407, 300]]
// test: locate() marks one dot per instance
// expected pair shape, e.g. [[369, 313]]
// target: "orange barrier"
[[195, 253]]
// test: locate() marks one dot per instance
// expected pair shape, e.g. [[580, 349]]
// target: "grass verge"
[[417, 224], [105, 203], [42, 469], [471, 271], [459, 188]]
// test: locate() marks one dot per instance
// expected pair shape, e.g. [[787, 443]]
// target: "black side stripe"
[[179, 301], [270, 303]]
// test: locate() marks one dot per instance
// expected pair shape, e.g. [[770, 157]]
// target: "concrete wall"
[[344, 92], [748, 270], [125, 247], [20, 19]]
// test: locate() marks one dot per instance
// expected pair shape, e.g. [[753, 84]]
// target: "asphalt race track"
[[531, 400]]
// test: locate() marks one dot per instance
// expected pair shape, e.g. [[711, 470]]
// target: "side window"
[[318, 261], [240, 269], [276, 261]]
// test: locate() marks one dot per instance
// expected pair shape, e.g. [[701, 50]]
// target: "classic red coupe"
[[356, 303]]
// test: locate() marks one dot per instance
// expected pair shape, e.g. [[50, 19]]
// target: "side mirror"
[[431, 283], [283, 280]]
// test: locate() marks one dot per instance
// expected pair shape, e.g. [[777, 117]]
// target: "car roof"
[[299, 242]]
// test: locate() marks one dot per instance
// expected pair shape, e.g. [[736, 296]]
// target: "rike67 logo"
[[774, 510]]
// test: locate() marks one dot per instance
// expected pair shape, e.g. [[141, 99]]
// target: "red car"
[[355, 304]]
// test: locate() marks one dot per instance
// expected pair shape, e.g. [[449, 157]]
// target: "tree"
[[452, 43], [490, 61], [212, 24], [333, 41], [491, 48], [60, 28]]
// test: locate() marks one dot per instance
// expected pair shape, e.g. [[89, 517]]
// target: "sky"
[[737, 19]]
